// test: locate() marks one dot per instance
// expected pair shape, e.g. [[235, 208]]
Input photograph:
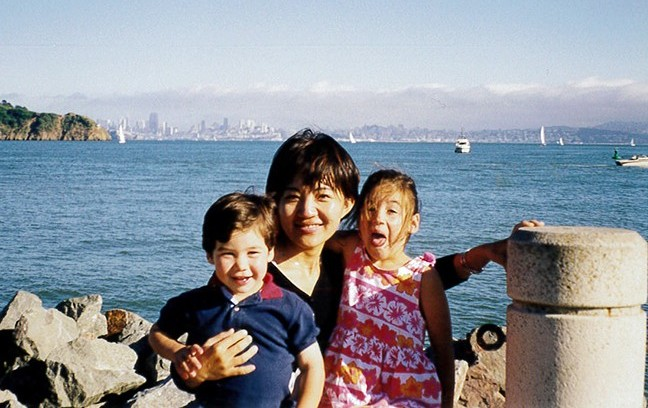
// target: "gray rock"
[[485, 380], [165, 394], [126, 327], [39, 331], [461, 370], [86, 311], [84, 371], [129, 328], [21, 303], [9, 400]]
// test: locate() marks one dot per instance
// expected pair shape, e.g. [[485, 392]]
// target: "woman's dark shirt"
[[327, 292]]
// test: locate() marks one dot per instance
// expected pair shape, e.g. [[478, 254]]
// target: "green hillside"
[[19, 123]]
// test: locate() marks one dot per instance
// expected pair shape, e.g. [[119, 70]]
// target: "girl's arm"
[[311, 379], [436, 312]]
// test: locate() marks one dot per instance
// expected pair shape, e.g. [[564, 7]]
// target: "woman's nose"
[[307, 207]]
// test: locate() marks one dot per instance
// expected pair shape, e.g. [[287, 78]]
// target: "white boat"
[[120, 135], [543, 142], [351, 138], [462, 145], [637, 160], [560, 142], [632, 142]]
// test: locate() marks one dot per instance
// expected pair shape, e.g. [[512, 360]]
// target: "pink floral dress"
[[376, 353]]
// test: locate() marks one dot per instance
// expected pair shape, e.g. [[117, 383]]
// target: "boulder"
[[9, 400], [21, 303], [129, 328], [85, 371], [86, 311], [39, 331], [164, 393], [126, 327], [485, 379]]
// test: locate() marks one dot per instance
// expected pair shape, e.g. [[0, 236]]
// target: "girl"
[[376, 353]]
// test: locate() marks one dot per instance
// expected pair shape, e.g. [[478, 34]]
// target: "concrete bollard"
[[576, 333]]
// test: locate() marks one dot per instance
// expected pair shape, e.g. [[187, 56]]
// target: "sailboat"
[[632, 142], [543, 142], [351, 138], [120, 135], [560, 142]]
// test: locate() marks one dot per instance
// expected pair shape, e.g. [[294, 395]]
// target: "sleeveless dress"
[[376, 352]]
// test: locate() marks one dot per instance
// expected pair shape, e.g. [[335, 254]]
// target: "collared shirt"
[[280, 324]]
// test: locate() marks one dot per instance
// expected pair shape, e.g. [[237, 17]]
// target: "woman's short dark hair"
[[314, 157], [239, 212]]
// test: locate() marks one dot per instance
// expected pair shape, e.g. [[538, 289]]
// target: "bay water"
[[124, 220]]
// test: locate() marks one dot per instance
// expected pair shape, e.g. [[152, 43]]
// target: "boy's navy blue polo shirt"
[[281, 325]]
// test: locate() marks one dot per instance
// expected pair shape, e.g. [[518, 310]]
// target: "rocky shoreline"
[[76, 355]]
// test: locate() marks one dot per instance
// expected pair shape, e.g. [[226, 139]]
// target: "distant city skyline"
[[477, 65]]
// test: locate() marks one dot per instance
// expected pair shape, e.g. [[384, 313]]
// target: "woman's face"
[[310, 215]]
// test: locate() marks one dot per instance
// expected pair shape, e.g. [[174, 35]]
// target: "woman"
[[315, 183]]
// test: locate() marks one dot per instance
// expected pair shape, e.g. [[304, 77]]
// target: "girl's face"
[[309, 215], [385, 226]]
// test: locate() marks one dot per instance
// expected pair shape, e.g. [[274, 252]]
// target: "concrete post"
[[576, 333]]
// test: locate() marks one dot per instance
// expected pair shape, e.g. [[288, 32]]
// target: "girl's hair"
[[314, 158], [239, 212], [380, 185]]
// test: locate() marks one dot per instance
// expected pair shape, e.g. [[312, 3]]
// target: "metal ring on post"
[[493, 330]]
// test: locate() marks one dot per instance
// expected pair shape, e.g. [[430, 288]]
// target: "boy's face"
[[242, 262]]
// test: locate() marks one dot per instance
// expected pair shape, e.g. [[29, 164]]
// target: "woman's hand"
[[224, 355], [498, 251]]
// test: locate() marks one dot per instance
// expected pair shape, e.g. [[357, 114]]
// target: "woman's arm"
[[436, 312], [341, 240], [311, 379], [457, 268]]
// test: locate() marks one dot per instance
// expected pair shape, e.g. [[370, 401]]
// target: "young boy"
[[239, 233]]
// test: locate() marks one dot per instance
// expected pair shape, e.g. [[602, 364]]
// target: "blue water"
[[124, 221]]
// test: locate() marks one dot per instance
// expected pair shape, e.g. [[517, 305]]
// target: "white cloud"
[[596, 82], [587, 102], [505, 89]]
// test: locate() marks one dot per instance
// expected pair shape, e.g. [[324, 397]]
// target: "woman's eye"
[[291, 197]]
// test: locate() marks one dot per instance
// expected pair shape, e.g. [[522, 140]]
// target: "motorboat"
[[462, 145], [636, 160]]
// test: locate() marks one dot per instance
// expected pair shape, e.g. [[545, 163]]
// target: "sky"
[[333, 64]]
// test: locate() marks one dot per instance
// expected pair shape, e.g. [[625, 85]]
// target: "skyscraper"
[[153, 122]]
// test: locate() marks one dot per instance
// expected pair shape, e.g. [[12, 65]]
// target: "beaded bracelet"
[[466, 267]]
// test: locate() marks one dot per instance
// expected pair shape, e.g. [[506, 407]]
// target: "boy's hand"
[[187, 362]]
